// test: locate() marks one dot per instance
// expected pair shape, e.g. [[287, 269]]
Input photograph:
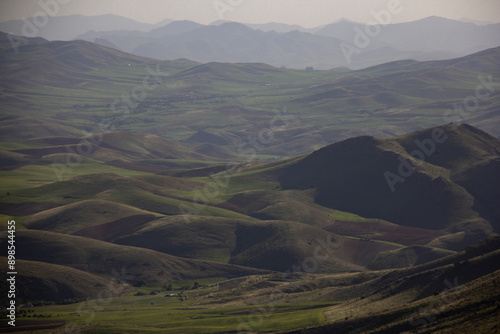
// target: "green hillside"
[[102, 259], [77, 216], [221, 198], [85, 85], [273, 245]]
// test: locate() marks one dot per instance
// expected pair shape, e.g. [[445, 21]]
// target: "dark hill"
[[40, 281], [464, 147], [273, 244], [375, 177]]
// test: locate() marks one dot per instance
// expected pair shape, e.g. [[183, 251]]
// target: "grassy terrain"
[[236, 101], [157, 314], [440, 294], [155, 199], [36, 175]]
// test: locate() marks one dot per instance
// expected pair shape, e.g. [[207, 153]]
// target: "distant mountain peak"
[[239, 27]]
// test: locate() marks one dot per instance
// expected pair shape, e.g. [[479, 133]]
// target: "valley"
[[155, 196]]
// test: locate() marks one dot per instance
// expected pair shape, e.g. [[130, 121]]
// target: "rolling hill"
[[61, 63], [103, 259], [280, 205], [226, 106], [273, 245], [34, 127], [319, 201], [74, 217], [41, 283], [367, 176], [315, 227], [437, 296]]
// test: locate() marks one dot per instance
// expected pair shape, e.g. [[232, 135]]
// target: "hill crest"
[[384, 178]]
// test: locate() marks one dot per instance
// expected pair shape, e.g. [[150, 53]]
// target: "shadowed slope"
[[104, 259], [353, 176], [41, 281], [274, 245]]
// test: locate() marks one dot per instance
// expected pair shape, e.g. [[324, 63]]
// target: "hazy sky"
[[307, 13]]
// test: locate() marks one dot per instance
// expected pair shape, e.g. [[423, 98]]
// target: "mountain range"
[[432, 38], [68, 27], [173, 195], [340, 44]]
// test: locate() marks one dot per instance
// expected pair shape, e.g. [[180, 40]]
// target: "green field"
[[160, 314]]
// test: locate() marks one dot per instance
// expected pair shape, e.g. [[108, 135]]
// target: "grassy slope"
[[275, 245], [438, 293], [378, 301], [271, 245], [73, 217], [102, 258], [407, 257], [150, 193], [237, 100], [41, 281], [281, 205]]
